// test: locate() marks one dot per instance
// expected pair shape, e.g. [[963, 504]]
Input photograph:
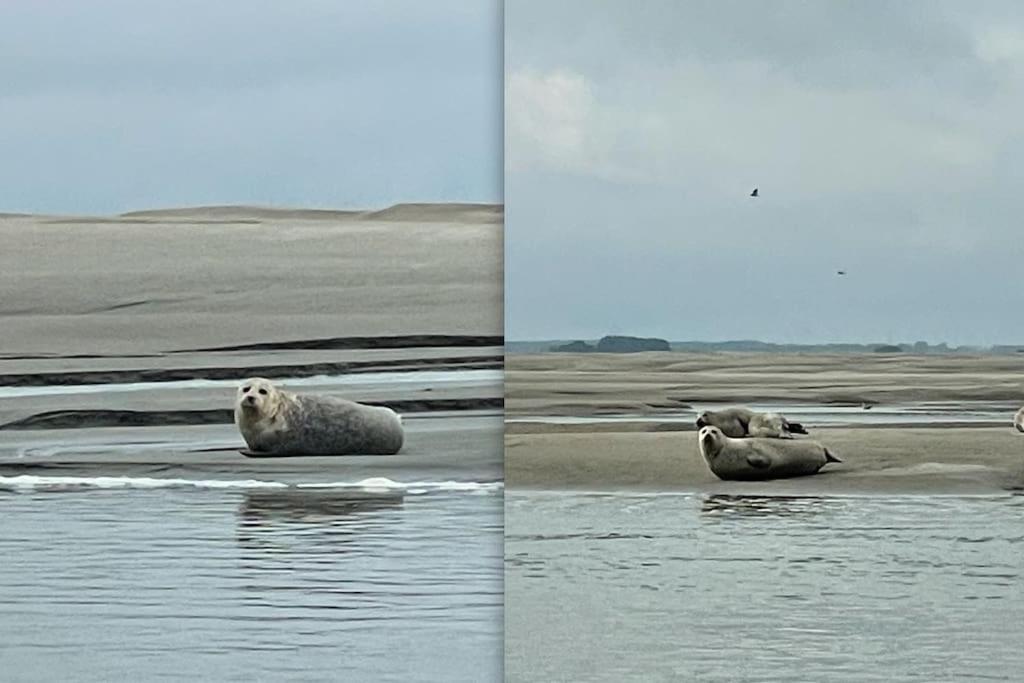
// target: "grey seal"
[[276, 422], [740, 422], [757, 459]]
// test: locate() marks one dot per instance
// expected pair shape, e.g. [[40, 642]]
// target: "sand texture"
[[950, 454], [124, 338], [173, 280]]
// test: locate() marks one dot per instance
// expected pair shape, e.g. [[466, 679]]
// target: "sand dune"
[[452, 213], [107, 287], [441, 213], [230, 212]]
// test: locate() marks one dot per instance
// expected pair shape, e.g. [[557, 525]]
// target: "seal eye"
[[263, 391], [245, 390]]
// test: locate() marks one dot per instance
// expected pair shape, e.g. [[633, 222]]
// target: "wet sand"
[[225, 276], [124, 336], [439, 447], [939, 457]]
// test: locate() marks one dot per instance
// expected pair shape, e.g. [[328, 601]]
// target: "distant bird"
[[840, 272], [754, 193]]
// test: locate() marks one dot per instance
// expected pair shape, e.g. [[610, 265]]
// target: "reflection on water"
[[725, 505], [264, 584], [263, 508], [742, 588], [319, 518]]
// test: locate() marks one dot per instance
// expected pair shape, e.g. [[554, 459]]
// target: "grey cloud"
[[885, 140], [116, 105]]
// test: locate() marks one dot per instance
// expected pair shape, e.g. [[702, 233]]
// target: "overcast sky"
[[113, 105], [887, 140]]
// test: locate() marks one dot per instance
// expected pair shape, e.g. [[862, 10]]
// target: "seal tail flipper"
[[830, 457], [1018, 426], [796, 428]]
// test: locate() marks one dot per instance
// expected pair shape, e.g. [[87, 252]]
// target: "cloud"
[[547, 116], [114, 105], [885, 138]]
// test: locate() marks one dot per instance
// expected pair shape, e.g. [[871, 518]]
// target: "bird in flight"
[[754, 193]]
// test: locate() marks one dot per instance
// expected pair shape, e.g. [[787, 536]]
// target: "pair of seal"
[[757, 459], [742, 422], [276, 422]]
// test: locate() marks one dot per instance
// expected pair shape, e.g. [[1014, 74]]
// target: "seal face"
[[758, 458], [278, 422], [741, 422]]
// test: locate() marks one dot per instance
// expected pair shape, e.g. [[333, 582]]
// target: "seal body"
[[278, 422], [757, 459], [742, 422], [1018, 420]]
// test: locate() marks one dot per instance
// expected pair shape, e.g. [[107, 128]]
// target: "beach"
[[185, 279], [912, 424], [142, 544], [900, 562], [133, 330]]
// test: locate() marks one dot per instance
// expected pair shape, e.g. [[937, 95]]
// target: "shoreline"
[[883, 460], [40, 379]]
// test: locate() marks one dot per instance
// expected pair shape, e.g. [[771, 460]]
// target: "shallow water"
[[390, 381], [733, 588], [924, 413], [376, 582]]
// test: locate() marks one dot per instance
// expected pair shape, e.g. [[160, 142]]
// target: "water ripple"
[[324, 583], [729, 588]]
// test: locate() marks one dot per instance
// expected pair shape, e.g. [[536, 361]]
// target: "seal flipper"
[[744, 425], [255, 454], [795, 428], [759, 461], [829, 457]]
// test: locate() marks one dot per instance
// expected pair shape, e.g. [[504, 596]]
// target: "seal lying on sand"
[[741, 422], [1018, 420], [757, 459], [276, 422]]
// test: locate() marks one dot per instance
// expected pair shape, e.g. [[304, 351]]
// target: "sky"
[[118, 105], [886, 140]]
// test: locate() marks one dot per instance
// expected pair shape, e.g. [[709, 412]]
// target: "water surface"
[[609, 587], [150, 580], [922, 413]]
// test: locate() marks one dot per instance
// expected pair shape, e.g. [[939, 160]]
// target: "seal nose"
[[701, 422], [250, 399]]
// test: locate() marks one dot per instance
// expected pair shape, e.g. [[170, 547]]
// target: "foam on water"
[[23, 482]]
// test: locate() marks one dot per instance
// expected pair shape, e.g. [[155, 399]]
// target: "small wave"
[[23, 482]]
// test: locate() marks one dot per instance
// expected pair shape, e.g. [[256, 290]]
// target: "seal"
[[740, 422], [276, 422], [758, 459], [1018, 420]]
